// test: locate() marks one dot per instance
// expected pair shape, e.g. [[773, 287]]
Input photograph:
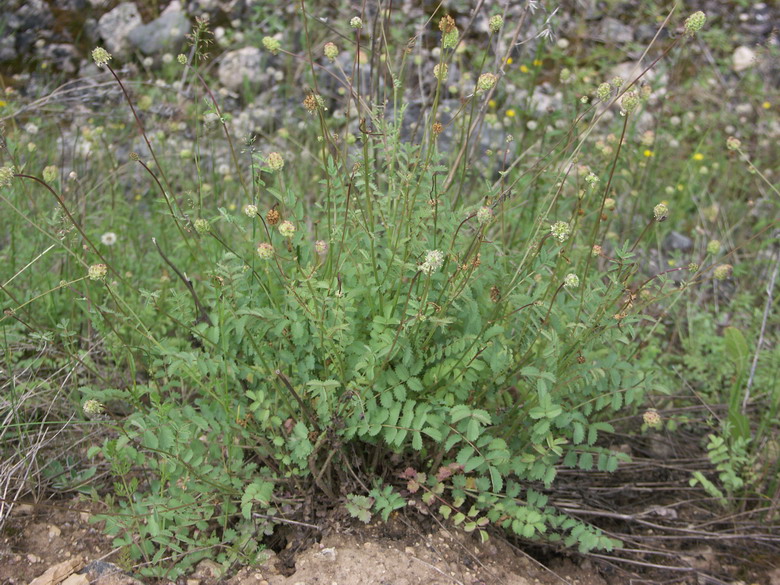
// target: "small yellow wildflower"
[[698, 156], [537, 63], [524, 69], [492, 103], [3, 103], [648, 153], [766, 105], [509, 61], [510, 113]]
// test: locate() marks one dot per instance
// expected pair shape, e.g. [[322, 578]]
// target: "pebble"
[[743, 58]]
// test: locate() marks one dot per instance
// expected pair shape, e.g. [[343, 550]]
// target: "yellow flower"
[[698, 156], [524, 69], [509, 61], [648, 153], [3, 103], [510, 113], [537, 63], [766, 105], [492, 103]]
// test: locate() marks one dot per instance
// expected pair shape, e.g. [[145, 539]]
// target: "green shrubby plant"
[[381, 329]]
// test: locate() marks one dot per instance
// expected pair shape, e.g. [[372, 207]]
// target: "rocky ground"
[[48, 544]]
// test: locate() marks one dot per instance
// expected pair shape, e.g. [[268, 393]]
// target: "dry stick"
[[770, 287], [202, 315]]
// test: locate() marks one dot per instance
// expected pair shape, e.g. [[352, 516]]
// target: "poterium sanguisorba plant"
[[379, 332]]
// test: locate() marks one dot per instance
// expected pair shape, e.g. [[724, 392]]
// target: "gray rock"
[[611, 30], [115, 27], [102, 573], [165, 33], [240, 65], [62, 56], [7, 48], [676, 241]]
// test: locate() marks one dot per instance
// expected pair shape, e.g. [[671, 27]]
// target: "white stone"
[[743, 58]]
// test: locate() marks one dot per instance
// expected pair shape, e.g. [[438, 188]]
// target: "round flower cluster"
[[449, 37], [603, 91], [629, 102], [272, 45], [651, 418], [314, 102], [486, 81], [434, 259], [733, 143], [93, 407], [265, 251], [571, 281], [202, 226], [496, 23], [287, 229], [609, 204], [660, 212], [182, 59], [723, 271], [440, 71], [6, 174], [560, 230], [275, 161], [100, 56], [97, 271], [331, 51], [484, 215], [713, 247], [50, 173], [356, 22], [321, 247], [592, 180], [694, 23], [250, 210]]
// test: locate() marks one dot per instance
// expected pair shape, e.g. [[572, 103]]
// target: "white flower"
[[108, 239], [287, 229], [434, 259]]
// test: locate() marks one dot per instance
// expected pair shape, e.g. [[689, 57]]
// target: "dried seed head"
[[447, 24], [272, 217]]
